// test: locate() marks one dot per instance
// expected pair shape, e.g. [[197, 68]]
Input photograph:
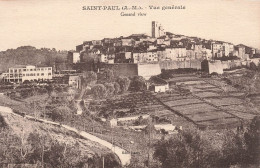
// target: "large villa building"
[[21, 73]]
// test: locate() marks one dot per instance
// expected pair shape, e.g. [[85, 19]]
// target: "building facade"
[[29, 72], [145, 57], [75, 81], [73, 57]]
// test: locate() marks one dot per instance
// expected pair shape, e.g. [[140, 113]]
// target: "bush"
[[110, 89], [2, 122], [99, 91], [138, 83], [191, 149], [252, 139], [124, 83], [214, 73], [117, 88], [61, 113], [89, 77], [111, 161]]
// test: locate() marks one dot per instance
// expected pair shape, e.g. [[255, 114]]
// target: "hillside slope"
[[57, 142], [30, 55]]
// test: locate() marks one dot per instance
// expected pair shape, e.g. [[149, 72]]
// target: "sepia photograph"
[[130, 84]]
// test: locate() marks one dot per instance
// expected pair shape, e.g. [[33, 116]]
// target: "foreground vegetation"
[[30, 55], [228, 148], [40, 146]]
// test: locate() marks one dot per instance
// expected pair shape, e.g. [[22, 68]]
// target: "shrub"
[[2, 122], [110, 89], [98, 90], [138, 83], [117, 88], [214, 73], [124, 83], [252, 139]]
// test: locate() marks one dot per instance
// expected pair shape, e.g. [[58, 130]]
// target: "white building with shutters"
[[21, 73]]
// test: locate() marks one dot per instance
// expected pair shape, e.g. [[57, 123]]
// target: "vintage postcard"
[[129, 83]]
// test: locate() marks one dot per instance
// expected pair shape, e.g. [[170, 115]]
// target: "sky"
[[62, 24]]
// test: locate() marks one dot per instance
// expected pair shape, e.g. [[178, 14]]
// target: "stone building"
[[157, 30]]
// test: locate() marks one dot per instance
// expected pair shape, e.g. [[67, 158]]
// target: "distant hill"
[[30, 55]]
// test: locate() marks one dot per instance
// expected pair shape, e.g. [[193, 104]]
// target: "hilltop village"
[[168, 50], [165, 100]]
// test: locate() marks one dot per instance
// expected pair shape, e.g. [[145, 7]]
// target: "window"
[[49, 73], [11, 71], [49, 68], [38, 74], [42, 74], [31, 69]]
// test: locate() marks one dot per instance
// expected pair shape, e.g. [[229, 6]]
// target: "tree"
[[72, 93], [109, 89], [124, 83], [89, 77], [252, 139], [233, 149], [111, 161], [138, 83], [253, 66], [109, 75], [188, 149], [117, 88], [50, 89], [40, 144], [29, 55], [10, 147], [98, 90], [2, 122], [44, 151], [61, 113]]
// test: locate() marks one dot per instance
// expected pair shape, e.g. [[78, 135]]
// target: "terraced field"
[[211, 103], [204, 102], [141, 103]]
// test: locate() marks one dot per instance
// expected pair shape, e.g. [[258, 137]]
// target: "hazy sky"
[[62, 24]]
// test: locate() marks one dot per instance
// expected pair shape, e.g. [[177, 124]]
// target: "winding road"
[[122, 154]]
